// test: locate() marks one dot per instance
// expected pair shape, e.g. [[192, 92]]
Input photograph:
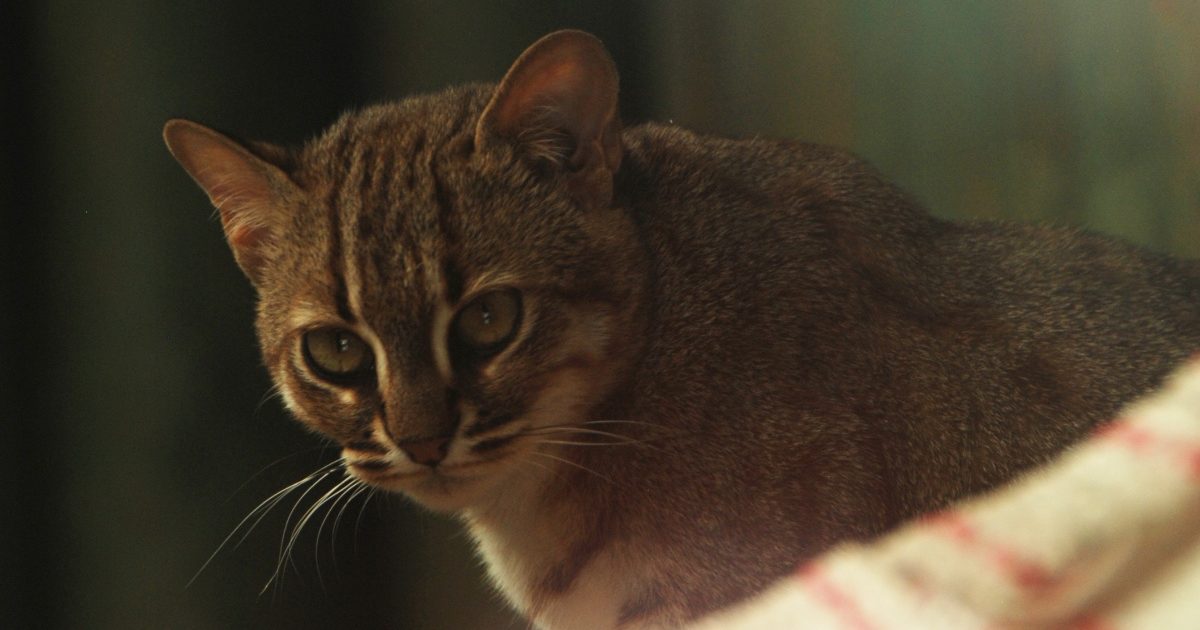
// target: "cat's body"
[[726, 355], [911, 361]]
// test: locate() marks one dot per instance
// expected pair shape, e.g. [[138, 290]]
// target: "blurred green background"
[[137, 430]]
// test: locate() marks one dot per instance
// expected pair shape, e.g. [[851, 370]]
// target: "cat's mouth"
[[374, 470], [447, 485]]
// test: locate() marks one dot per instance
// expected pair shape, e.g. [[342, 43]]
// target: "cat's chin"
[[450, 490]]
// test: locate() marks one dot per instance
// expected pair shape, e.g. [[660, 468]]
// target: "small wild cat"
[[653, 371]]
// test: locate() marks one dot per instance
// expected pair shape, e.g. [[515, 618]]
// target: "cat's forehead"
[[406, 214], [411, 125], [382, 168], [379, 218]]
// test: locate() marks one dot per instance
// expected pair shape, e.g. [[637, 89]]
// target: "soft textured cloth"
[[1105, 537]]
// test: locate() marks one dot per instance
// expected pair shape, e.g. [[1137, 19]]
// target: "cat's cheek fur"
[[566, 397], [289, 402], [286, 384]]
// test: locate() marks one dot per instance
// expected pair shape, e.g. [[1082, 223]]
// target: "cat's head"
[[442, 280]]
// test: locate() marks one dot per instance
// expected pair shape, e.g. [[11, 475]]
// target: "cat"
[[653, 371]]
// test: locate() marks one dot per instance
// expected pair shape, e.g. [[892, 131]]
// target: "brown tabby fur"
[[734, 353]]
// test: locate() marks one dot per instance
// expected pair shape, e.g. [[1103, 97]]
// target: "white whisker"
[[638, 422], [620, 439], [571, 463], [284, 543], [348, 485], [306, 517], [359, 489], [281, 460], [262, 509], [570, 443], [544, 467], [361, 510], [272, 392]]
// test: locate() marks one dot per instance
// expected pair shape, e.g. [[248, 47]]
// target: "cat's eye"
[[489, 321], [337, 355]]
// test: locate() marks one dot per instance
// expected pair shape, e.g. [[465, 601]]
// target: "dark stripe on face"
[[311, 391], [492, 444], [489, 422], [322, 406], [452, 279], [453, 146], [418, 146], [444, 199], [366, 176], [464, 124], [370, 198], [333, 203], [385, 213], [363, 446], [371, 464], [341, 300]]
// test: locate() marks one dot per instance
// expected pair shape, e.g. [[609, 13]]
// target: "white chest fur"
[[593, 601], [521, 547]]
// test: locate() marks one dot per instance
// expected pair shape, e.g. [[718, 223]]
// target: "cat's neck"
[[532, 532]]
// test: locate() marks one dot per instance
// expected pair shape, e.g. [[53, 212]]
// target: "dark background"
[[136, 428]]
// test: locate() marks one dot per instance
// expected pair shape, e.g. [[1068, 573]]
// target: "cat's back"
[[734, 213], [803, 265], [818, 217], [747, 236], [937, 358]]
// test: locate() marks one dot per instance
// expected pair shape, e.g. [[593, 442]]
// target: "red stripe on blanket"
[[1022, 572], [1143, 441], [835, 599]]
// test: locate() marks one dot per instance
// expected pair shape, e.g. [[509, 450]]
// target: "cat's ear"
[[249, 192], [558, 103]]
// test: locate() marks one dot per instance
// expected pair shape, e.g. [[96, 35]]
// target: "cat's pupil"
[[337, 355], [488, 322]]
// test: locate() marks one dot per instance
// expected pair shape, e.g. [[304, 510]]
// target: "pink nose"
[[427, 452]]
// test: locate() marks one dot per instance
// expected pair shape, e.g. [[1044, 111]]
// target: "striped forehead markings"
[[334, 209], [362, 247]]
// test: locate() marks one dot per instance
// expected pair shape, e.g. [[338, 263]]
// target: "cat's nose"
[[427, 452]]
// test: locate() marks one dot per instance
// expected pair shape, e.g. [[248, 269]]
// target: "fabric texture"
[[1107, 536]]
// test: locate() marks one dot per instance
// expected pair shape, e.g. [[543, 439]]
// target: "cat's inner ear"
[[249, 193], [558, 103]]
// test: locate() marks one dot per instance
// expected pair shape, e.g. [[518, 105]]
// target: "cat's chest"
[[525, 562]]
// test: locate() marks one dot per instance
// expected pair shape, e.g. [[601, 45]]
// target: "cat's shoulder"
[[674, 152], [668, 141]]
